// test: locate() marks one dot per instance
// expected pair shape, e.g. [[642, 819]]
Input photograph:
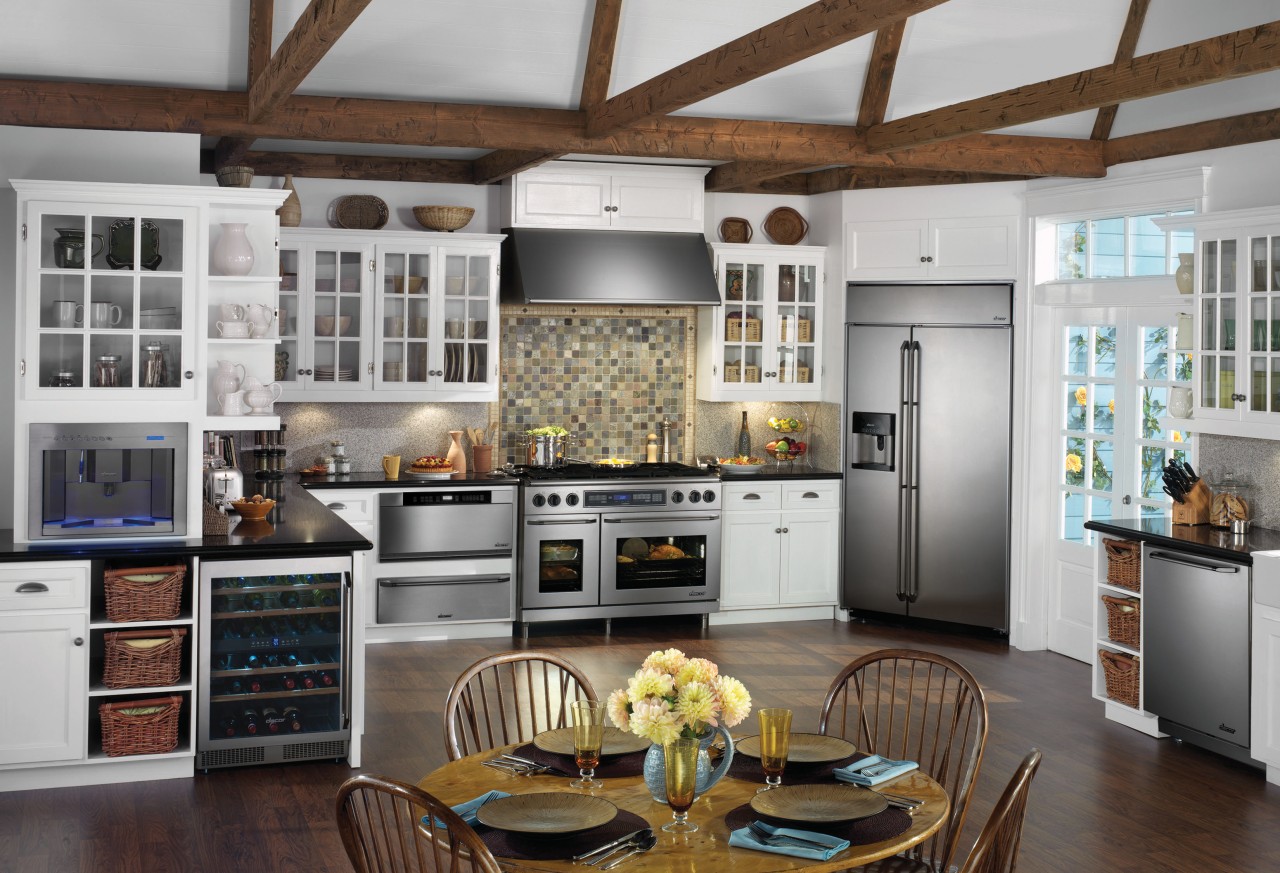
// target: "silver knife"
[[609, 846]]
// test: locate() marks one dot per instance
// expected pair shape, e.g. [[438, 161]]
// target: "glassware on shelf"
[[155, 365], [106, 371]]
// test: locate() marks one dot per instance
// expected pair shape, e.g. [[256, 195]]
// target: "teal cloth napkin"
[[467, 811], [854, 772], [744, 838]]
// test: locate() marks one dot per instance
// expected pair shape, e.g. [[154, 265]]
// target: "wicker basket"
[[1121, 675], [234, 177], [133, 733], [738, 329], [134, 666], [360, 212], [734, 371], [446, 218], [216, 524], [1124, 564], [804, 330], [133, 596], [803, 374], [1124, 620]]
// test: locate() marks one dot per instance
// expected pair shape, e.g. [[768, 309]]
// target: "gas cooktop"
[[567, 472]]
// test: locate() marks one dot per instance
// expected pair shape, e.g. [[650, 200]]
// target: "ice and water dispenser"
[[871, 436]]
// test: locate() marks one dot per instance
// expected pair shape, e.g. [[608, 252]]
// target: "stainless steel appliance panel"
[[1195, 643], [560, 561], [434, 523], [695, 577], [934, 303], [961, 449], [444, 598]]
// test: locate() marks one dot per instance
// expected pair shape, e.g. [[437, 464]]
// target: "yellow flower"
[[669, 661], [696, 670], [673, 695], [1177, 436], [1111, 404], [697, 704], [734, 698], [655, 722], [1082, 395], [1074, 464], [618, 709]]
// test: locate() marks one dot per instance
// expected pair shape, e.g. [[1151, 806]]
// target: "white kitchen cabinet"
[[765, 342], [44, 628], [372, 316], [584, 195], [1237, 321], [1264, 728], [940, 248], [781, 543]]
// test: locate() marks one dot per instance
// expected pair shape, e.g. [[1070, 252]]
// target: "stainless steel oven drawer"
[[421, 599], [409, 531]]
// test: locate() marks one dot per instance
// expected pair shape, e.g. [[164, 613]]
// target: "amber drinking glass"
[[681, 759], [775, 739], [588, 737]]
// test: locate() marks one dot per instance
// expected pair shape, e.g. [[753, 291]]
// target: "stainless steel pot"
[[547, 450]]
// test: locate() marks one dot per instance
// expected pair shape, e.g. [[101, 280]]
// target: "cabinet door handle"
[[188, 375], [335, 506], [751, 496], [32, 588], [809, 495], [308, 371], [922, 259], [79, 641], [777, 530]]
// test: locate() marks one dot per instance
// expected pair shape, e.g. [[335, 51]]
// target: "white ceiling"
[[531, 53]]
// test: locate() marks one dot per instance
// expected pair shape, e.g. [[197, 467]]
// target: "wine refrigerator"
[[275, 656]]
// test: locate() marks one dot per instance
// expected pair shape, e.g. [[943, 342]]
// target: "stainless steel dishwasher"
[[1195, 648]]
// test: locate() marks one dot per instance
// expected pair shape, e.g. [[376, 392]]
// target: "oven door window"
[[560, 566], [661, 562]]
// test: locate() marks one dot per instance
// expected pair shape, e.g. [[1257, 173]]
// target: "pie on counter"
[[431, 464]]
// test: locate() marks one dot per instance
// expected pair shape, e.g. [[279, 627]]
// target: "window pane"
[[1103, 464], [1071, 250], [1155, 345], [1104, 352], [1077, 351], [1147, 248], [1107, 236], [1154, 403], [1151, 463], [1073, 517], [1077, 406], [1074, 464], [1182, 367], [1104, 408]]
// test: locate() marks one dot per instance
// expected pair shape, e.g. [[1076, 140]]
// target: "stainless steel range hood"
[[547, 265]]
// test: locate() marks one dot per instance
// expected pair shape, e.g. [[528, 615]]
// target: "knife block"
[[1196, 508]]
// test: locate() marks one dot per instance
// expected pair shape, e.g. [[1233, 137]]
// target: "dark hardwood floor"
[[1106, 798]]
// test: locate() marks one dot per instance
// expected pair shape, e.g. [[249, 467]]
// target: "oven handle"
[[632, 518], [564, 521], [415, 581]]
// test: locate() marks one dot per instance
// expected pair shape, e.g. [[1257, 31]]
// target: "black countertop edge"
[[1200, 539], [378, 480], [782, 474], [299, 525]]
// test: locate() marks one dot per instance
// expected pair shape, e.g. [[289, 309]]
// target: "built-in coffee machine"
[[107, 480]]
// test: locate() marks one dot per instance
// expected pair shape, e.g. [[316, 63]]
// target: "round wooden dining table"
[[703, 851]]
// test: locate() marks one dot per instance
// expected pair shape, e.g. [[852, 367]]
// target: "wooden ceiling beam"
[[806, 32], [880, 68], [1229, 56], [229, 150], [743, 174], [369, 168], [858, 179], [313, 34], [1124, 52], [1223, 132], [388, 122], [505, 163]]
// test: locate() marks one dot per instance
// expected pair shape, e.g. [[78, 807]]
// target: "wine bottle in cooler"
[[228, 727], [249, 722], [292, 720], [272, 720]]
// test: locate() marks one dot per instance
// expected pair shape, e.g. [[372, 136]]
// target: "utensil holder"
[[1196, 508]]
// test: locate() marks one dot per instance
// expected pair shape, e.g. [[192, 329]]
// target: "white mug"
[[231, 404], [232, 312], [106, 314], [68, 313], [235, 329]]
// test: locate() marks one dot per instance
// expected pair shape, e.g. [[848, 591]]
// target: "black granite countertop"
[[782, 472], [1200, 539], [299, 525], [379, 480]]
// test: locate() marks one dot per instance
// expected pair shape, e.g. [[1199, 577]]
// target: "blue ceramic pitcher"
[[655, 765]]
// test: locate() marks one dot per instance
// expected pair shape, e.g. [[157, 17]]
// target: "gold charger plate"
[[616, 742], [818, 804], [803, 748], [549, 812]]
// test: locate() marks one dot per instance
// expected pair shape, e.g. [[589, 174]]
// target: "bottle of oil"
[[744, 437]]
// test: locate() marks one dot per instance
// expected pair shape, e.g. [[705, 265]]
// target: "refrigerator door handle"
[[904, 468], [913, 483], [348, 625]]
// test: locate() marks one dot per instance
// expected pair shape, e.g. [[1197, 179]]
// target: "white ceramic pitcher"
[[228, 378], [260, 316], [261, 397]]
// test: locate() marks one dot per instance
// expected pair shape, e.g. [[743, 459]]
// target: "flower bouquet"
[[672, 695]]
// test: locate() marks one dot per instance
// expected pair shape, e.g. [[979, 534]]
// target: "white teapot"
[[261, 397], [260, 316]]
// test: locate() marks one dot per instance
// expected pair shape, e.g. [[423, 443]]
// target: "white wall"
[[81, 156]]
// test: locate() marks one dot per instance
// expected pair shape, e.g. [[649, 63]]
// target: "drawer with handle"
[[762, 495], [353, 507], [431, 599], [811, 495], [44, 586]]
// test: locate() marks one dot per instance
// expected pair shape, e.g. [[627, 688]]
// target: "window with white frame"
[[1116, 247]]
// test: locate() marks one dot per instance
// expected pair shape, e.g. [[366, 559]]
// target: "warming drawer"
[[431, 599]]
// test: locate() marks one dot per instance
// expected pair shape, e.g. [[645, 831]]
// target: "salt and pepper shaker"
[[651, 449], [665, 426]]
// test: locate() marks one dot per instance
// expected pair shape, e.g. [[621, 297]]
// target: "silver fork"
[[768, 836], [877, 769]]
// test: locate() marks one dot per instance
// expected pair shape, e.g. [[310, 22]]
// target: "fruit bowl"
[[786, 448], [253, 510], [787, 425]]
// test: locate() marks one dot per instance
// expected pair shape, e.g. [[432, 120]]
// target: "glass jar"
[[106, 371], [342, 465], [155, 365], [1232, 499], [63, 379]]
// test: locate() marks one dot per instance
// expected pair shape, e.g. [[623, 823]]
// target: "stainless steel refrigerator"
[[928, 432]]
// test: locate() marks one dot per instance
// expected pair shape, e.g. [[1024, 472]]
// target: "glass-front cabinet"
[[767, 334], [110, 300], [386, 316]]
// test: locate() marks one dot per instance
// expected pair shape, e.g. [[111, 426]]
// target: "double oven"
[[600, 542]]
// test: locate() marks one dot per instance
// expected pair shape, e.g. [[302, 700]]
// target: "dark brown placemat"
[[508, 844], [881, 826], [748, 768], [615, 766]]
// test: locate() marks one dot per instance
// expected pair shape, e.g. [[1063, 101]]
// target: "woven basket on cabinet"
[[1121, 674], [133, 666], [737, 330], [127, 732], [131, 598], [1124, 563], [1124, 620]]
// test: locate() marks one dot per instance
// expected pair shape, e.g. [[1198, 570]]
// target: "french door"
[[1112, 435]]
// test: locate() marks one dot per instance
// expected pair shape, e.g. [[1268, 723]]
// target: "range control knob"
[[694, 496], [571, 500], [553, 500], [677, 497], [539, 500], [709, 496]]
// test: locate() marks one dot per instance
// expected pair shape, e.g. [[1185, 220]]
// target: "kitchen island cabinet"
[[1265, 678]]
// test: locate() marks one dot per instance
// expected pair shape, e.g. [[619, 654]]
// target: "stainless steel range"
[[601, 542]]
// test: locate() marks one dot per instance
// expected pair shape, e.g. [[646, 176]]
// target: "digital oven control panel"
[[568, 498], [613, 499]]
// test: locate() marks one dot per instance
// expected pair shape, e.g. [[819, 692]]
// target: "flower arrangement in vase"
[[671, 696]]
